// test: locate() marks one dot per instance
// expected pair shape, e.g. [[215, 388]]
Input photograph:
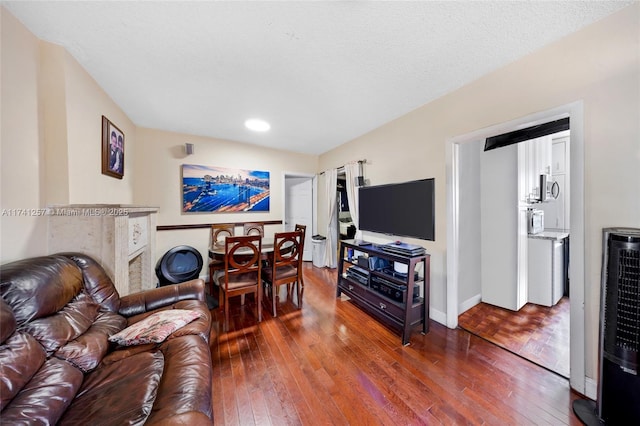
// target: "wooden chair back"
[[286, 249], [303, 230], [253, 229], [218, 232], [221, 230], [242, 254]]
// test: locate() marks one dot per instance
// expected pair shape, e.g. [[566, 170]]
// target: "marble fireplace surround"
[[122, 238]]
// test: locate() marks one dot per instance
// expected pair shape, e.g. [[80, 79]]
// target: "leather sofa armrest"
[[148, 300]]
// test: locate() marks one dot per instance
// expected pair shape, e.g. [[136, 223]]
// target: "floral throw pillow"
[[155, 328]]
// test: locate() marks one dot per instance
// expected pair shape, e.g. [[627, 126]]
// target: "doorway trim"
[[579, 277]]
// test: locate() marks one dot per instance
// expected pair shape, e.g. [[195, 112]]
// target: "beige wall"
[[71, 109], [86, 103], [600, 66], [53, 113], [51, 139], [21, 155], [158, 158]]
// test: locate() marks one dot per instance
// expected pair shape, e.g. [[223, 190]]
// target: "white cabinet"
[[546, 271], [558, 156], [538, 159], [558, 216]]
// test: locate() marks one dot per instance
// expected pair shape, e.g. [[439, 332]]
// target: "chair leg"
[[259, 301], [265, 291], [273, 298], [211, 280], [300, 288], [226, 311]]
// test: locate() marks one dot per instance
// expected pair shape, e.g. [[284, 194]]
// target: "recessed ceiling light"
[[257, 125]]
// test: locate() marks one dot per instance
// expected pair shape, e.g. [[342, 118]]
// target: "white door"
[[299, 208], [501, 220]]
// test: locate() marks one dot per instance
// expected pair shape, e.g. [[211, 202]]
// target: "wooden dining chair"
[[253, 229], [218, 232], [302, 229], [300, 283], [285, 265], [242, 271]]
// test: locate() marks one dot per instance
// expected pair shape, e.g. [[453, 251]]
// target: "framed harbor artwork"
[[112, 149], [209, 189]]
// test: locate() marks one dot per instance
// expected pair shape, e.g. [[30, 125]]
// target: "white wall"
[[470, 225], [599, 65]]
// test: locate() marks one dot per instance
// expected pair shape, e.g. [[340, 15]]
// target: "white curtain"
[[352, 171], [331, 191]]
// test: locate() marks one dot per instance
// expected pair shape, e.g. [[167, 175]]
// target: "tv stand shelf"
[[385, 295]]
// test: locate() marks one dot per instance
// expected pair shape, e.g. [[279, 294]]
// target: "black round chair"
[[180, 264]]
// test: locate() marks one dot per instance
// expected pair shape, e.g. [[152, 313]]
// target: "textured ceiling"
[[322, 73]]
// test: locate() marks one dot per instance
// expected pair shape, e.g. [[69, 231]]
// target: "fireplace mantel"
[[120, 237]]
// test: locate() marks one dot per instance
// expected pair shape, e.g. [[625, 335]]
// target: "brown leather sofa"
[[58, 367]]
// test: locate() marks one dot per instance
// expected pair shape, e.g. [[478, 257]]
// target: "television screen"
[[404, 209]]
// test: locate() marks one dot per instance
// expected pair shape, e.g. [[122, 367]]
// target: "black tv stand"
[[388, 297]]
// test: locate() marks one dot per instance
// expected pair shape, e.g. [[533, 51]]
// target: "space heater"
[[619, 347]]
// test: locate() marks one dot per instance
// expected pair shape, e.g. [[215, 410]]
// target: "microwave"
[[535, 221]]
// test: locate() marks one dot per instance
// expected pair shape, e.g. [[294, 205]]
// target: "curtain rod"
[[341, 168]]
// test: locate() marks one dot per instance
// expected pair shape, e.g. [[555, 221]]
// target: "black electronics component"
[[378, 263], [392, 290], [358, 274], [363, 262], [403, 249], [400, 275]]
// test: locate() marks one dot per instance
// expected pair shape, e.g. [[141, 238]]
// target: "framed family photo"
[[112, 149]]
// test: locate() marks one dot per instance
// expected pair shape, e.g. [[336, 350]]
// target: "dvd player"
[[403, 249], [391, 290], [358, 274], [400, 275]]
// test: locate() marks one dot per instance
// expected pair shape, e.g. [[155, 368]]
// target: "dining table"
[[216, 250]]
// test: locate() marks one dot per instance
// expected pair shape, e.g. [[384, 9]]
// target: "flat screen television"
[[403, 209]]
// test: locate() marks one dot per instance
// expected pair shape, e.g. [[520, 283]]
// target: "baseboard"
[[590, 388], [469, 303], [438, 316]]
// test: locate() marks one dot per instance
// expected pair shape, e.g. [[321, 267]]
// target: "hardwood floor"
[[331, 363], [537, 333]]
